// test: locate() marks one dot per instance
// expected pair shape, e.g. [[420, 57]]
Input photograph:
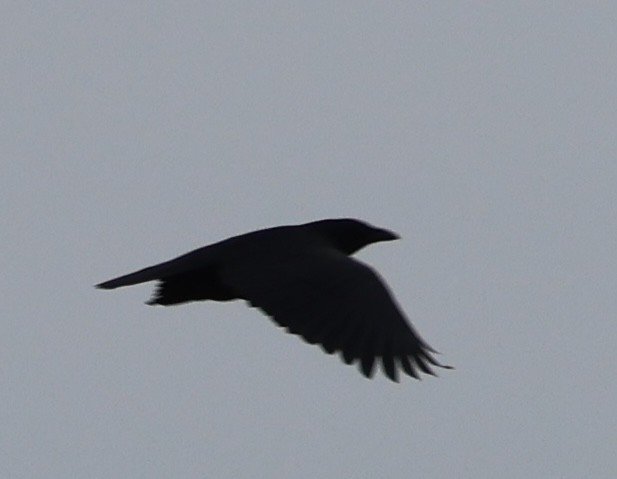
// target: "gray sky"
[[483, 132]]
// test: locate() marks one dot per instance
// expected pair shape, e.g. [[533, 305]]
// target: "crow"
[[304, 278]]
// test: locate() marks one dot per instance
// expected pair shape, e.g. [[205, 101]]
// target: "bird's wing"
[[339, 303]]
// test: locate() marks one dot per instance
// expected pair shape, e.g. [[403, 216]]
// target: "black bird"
[[304, 278]]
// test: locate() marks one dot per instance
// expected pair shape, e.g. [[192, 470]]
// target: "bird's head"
[[349, 235]]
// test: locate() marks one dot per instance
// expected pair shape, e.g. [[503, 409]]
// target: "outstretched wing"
[[339, 303]]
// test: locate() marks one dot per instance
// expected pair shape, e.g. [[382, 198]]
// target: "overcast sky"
[[483, 132]]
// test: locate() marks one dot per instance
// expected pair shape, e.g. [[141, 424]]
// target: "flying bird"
[[304, 278]]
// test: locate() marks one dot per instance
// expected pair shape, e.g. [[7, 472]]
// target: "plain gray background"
[[482, 132]]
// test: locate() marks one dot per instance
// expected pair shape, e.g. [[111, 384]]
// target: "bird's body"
[[304, 278]]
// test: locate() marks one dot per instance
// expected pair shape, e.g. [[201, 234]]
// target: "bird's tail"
[[182, 264], [142, 276]]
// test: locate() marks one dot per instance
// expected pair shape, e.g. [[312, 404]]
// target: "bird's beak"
[[385, 235]]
